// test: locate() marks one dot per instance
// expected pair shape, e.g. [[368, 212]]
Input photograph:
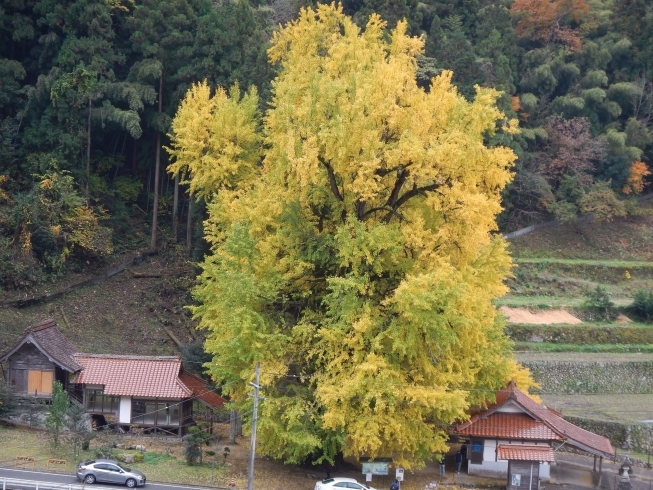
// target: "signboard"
[[399, 474], [375, 468], [516, 480]]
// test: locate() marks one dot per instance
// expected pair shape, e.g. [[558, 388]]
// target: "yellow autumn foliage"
[[352, 247]]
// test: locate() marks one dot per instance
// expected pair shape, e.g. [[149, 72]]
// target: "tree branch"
[[402, 174], [332, 180], [408, 195]]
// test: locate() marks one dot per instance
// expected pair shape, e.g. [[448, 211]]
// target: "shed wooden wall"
[[26, 358]]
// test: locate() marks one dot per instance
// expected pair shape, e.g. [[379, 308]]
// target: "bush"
[[138, 458], [599, 301], [642, 305]]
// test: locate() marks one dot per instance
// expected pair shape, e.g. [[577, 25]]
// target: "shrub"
[[599, 301], [642, 305], [138, 458]]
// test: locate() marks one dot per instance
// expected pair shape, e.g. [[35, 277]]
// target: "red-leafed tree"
[[571, 150], [550, 20]]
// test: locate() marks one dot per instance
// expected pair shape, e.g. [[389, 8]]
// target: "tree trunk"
[[134, 159], [88, 145], [189, 223], [157, 171], [232, 427], [235, 426], [175, 205]]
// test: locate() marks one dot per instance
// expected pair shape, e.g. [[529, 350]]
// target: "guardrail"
[[20, 484]]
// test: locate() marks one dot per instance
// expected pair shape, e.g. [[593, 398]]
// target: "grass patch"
[[548, 302], [597, 348], [633, 264], [156, 458]]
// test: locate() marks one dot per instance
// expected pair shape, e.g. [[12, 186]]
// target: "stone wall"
[[641, 435], [570, 378]]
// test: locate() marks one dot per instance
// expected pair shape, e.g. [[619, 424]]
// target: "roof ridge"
[[128, 357], [42, 325]]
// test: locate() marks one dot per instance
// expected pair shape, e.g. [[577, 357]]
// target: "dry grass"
[[171, 467], [612, 408]]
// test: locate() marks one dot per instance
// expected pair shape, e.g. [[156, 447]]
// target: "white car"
[[338, 482]]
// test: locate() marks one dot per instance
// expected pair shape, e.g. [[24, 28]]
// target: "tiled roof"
[[567, 431], [525, 453], [46, 337], [133, 375], [508, 425], [201, 390]]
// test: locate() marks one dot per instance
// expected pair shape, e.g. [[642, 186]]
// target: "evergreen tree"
[[56, 418]]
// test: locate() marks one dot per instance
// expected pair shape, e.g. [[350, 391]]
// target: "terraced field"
[[591, 368]]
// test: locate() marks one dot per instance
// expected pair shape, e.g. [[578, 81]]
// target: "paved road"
[[574, 472], [65, 479]]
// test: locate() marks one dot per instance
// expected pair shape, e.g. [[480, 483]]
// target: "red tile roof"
[[508, 426], [201, 390], [567, 431], [47, 338], [133, 375], [525, 453]]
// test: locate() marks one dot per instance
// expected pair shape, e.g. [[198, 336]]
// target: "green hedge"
[[580, 334], [549, 347]]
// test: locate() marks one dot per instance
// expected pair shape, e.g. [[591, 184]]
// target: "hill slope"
[[124, 314]]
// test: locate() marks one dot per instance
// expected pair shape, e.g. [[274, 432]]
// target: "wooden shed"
[[41, 356], [524, 464]]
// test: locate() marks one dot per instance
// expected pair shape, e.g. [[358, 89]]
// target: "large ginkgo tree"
[[352, 248]]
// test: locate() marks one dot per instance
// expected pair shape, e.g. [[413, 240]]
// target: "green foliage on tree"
[[193, 442], [55, 421], [642, 305], [8, 399], [599, 301]]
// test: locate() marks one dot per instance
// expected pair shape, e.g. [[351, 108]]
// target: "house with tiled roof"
[[517, 437], [148, 393]]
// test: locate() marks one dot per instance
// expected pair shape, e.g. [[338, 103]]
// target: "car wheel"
[[131, 483], [89, 479]]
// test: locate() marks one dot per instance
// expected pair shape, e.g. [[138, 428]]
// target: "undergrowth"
[[597, 348]]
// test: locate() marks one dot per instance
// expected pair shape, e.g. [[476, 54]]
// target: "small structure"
[[150, 393], [39, 358], [516, 437], [524, 464]]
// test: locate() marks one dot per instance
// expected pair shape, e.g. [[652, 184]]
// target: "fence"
[[20, 484]]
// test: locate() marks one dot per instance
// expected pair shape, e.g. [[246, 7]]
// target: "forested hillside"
[[88, 90]]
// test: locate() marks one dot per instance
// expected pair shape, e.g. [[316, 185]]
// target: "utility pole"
[[252, 444]]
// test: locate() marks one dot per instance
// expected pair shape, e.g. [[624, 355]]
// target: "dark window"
[[138, 410], [477, 452]]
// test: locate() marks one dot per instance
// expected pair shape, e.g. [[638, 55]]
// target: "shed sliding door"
[[39, 382]]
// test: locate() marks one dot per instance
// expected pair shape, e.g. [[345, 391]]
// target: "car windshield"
[[125, 468]]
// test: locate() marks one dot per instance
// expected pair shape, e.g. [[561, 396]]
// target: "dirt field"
[[544, 317]]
